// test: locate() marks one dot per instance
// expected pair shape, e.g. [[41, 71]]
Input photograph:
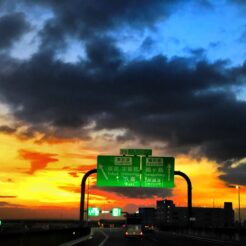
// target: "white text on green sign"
[[144, 152], [157, 172], [118, 171], [116, 212], [93, 211]]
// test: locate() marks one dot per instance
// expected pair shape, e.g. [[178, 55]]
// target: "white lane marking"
[[78, 240], [105, 239]]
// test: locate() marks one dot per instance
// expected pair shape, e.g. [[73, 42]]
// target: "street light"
[[239, 214], [88, 193]]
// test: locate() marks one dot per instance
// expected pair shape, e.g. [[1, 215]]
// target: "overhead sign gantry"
[[135, 168]]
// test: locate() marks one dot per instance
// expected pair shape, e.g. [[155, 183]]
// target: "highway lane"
[[96, 238], [115, 237]]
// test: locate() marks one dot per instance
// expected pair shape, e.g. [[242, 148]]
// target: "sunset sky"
[[85, 78]]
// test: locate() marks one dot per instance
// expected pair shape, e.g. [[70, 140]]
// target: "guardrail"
[[224, 234]]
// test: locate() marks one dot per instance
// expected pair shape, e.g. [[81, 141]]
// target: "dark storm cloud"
[[91, 15], [132, 192], [12, 27], [87, 18], [196, 52], [7, 129], [21, 134], [235, 175], [147, 44], [103, 55], [137, 192], [185, 102]]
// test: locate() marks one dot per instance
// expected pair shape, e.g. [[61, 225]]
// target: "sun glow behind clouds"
[[4, 109], [44, 188], [57, 185], [5, 115], [43, 165]]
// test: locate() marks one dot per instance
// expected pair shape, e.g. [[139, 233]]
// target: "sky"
[[86, 78]]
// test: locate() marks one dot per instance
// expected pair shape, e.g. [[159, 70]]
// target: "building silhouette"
[[148, 217], [167, 214]]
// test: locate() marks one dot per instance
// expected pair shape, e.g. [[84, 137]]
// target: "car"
[[133, 228], [134, 231]]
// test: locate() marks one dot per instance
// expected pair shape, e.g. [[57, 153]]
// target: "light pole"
[[88, 193], [239, 212]]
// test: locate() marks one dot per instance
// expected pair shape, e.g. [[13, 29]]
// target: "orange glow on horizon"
[[47, 177]]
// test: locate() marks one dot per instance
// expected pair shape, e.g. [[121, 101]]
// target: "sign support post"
[[82, 197], [189, 193]]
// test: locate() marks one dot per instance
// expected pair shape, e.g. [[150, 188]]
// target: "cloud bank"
[[188, 103]]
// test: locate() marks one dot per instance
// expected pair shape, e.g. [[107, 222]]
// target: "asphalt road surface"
[[115, 237]]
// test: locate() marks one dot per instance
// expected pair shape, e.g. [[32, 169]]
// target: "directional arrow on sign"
[[103, 172], [105, 211], [95, 211]]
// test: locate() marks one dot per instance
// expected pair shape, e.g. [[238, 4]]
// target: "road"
[[114, 236]]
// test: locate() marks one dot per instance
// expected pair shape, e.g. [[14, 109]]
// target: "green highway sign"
[[118, 171], [144, 152], [157, 172], [93, 211], [116, 212], [135, 171]]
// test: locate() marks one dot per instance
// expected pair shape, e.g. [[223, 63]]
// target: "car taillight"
[[126, 233], [141, 233]]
